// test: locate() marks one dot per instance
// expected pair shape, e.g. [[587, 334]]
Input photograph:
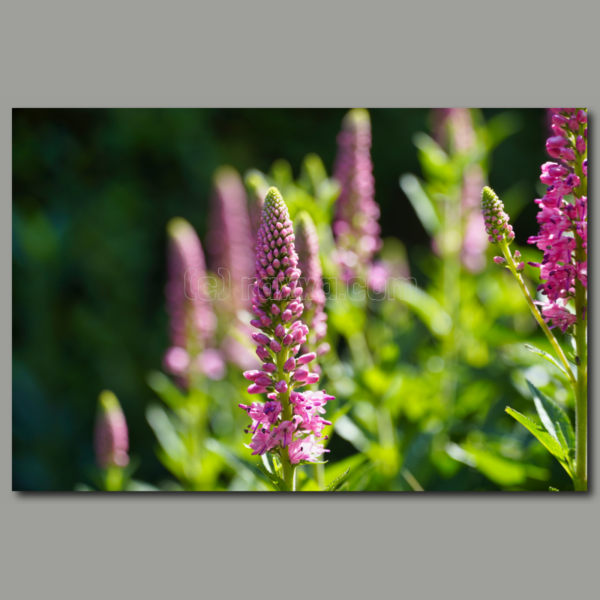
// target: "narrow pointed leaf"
[[565, 445], [278, 483], [552, 414], [549, 442], [337, 482], [421, 203], [547, 356]]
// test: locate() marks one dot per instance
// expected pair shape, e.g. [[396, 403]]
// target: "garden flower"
[[192, 321], [229, 241], [355, 226], [474, 239], [454, 131], [563, 223], [277, 305], [111, 440], [309, 263], [496, 220]]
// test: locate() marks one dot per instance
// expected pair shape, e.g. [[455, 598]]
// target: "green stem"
[[536, 313], [581, 390], [287, 469], [581, 343], [113, 481]]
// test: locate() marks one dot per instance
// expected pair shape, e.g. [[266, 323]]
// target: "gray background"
[[484, 54]]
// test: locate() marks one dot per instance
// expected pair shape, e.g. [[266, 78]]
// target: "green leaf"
[[337, 482], [502, 471], [421, 202], [547, 356], [569, 452], [165, 432], [550, 443], [278, 483], [551, 489], [553, 417], [166, 389]]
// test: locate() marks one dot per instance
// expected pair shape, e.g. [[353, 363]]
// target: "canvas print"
[[300, 300]]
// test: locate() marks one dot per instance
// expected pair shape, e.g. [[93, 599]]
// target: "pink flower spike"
[[558, 219], [111, 437], [279, 283], [312, 378]]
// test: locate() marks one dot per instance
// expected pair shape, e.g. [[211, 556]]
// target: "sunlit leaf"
[[549, 442], [279, 484], [551, 415], [421, 203], [337, 482]]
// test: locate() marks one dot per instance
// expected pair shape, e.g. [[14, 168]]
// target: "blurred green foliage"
[[420, 385]]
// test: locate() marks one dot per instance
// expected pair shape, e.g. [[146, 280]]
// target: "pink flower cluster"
[[111, 439], [300, 434], [474, 238], [309, 263], [290, 421], [229, 241], [191, 318], [356, 226], [561, 220], [453, 129]]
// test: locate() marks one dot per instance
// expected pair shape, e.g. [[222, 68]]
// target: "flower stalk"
[[289, 425], [356, 228]]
